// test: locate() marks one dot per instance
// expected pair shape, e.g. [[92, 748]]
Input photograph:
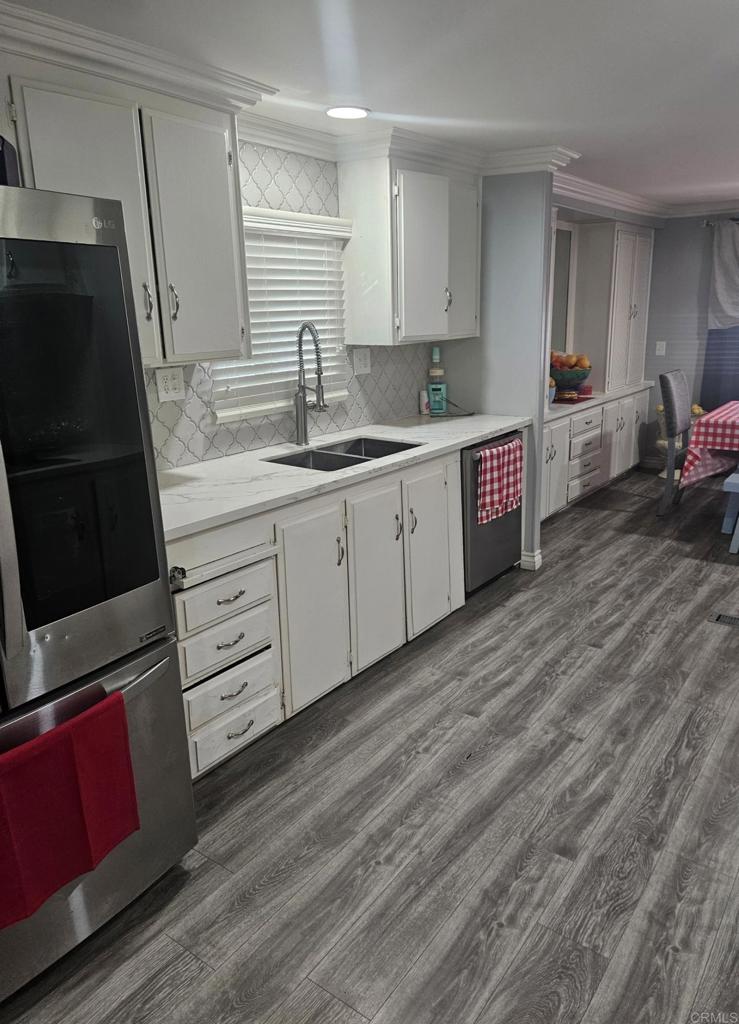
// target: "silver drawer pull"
[[241, 732], [587, 465], [236, 693], [230, 600], [586, 485], [586, 444], [588, 422], [398, 527], [230, 643]]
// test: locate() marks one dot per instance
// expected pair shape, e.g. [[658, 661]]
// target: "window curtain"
[[721, 365]]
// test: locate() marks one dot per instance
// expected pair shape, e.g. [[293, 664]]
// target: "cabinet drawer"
[[223, 598], [584, 465], [586, 422], [583, 484], [236, 685], [235, 730], [226, 642], [585, 444]]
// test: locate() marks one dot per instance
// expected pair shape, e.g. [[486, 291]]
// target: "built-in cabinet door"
[[559, 465], [640, 308], [314, 606], [464, 259], [423, 255], [627, 411], [621, 309], [198, 240], [90, 145], [426, 549], [546, 472], [610, 436], [641, 414], [376, 576], [619, 436]]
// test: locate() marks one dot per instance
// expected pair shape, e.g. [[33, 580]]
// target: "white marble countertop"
[[226, 489], [561, 409]]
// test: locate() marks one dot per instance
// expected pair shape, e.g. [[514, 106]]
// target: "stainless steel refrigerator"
[[86, 607]]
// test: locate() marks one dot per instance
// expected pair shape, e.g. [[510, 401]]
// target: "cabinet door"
[[611, 436], [91, 145], [641, 413], [315, 604], [621, 309], [627, 411], [426, 550], [423, 255], [546, 472], [376, 579], [198, 235], [559, 465], [464, 259], [640, 308]]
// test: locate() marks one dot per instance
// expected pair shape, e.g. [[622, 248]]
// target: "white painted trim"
[[408, 145], [569, 187], [535, 158], [266, 131], [68, 44], [281, 222], [531, 560]]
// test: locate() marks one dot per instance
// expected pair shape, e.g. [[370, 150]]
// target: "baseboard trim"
[[531, 560]]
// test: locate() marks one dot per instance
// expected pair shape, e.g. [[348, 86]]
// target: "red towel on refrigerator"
[[499, 480], [67, 798]]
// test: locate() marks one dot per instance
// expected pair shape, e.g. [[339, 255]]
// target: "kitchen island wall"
[[185, 432]]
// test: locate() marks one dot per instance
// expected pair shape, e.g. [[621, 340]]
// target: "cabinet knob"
[[414, 520], [341, 552], [176, 311], [398, 527], [148, 300], [449, 299]]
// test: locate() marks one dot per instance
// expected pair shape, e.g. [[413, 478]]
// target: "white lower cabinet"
[[376, 575], [586, 450], [425, 515], [555, 459], [314, 605]]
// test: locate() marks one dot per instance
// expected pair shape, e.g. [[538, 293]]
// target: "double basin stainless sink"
[[343, 454]]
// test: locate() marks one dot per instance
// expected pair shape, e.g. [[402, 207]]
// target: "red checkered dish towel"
[[499, 480]]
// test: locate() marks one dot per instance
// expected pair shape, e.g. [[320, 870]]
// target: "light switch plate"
[[170, 384], [660, 349], [362, 361]]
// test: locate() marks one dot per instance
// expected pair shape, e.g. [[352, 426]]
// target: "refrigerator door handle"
[[133, 687], [14, 620]]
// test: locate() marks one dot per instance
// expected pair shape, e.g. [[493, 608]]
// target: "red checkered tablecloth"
[[499, 480], [713, 434]]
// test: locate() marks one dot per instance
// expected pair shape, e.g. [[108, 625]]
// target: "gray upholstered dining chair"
[[677, 402]]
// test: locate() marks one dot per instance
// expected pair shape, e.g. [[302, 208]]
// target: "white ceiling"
[[646, 90]]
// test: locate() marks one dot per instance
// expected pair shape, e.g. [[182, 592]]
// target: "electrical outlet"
[[362, 361], [660, 349], [170, 384]]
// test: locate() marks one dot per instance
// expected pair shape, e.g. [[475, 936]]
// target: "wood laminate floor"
[[530, 814]]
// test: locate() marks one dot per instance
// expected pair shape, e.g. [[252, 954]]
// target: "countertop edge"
[[326, 483], [562, 409]]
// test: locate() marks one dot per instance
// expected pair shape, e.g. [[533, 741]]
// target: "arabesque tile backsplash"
[[185, 432]]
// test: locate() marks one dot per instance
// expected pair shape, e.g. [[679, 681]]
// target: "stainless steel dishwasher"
[[494, 547]]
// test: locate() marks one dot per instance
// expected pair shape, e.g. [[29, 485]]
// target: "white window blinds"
[[293, 275]]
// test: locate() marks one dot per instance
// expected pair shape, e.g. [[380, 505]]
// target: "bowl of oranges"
[[569, 371]]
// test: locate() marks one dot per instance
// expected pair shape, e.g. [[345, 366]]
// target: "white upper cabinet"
[[412, 268], [178, 183], [614, 269], [423, 256], [58, 133], [192, 194]]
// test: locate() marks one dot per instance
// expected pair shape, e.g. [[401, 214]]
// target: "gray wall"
[[504, 370]]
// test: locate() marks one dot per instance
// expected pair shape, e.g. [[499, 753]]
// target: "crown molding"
[[705, 209], [267, 131], [68, 44], [535, 158], [409, 145], [570, 188]]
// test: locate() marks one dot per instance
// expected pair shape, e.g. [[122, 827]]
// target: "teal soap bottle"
[[437, 385]]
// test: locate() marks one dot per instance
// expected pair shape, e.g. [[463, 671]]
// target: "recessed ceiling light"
[[348, 113]]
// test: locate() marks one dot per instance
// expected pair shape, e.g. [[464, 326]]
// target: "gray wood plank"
[[611, 873], [673, 928], [718, 989], [484, 806], [470, 954], [310, 1004], [551, 981]]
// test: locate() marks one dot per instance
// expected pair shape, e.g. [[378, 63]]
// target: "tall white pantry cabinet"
[[175, 168]]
